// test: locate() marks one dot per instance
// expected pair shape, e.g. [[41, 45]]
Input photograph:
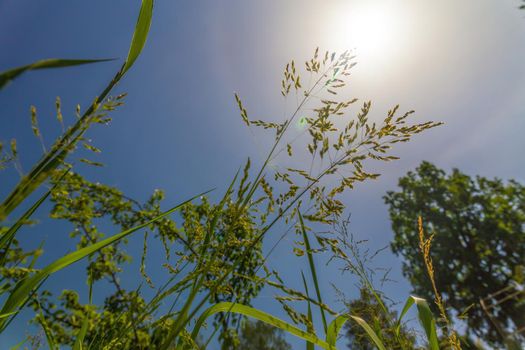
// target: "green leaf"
[[7, 314], [140, 35], [425, 317], [427, 321], [309, 345], [9, 75], [49, 336], [81, 334], [334, 328], [312, 269], [258, 315], [370, 332]]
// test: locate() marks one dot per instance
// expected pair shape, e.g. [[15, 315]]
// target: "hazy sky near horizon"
[[460, 62]]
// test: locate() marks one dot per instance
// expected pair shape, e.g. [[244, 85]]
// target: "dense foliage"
[[478, 245], [369, 309]]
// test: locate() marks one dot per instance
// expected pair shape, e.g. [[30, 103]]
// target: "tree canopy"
[[478, 247], [369, 309]]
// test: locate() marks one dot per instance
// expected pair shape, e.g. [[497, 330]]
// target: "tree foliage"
[[257, 335], [478, 246], [367, 307]]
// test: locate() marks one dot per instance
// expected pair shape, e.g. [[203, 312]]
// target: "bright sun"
[[374, 29]]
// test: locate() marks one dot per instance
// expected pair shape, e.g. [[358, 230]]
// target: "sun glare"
[[372, 31], [375, 30]]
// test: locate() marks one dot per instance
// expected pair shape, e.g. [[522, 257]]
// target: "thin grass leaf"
[[78, 345], [312, 269], [426, 319], [7, 76], [370, 332], [51, 343], [309, 345], [22, 292], [8, 314], [7, 238], [334, 328], [79, 341], [258, 315], [19, 345], [408, 304], [140, 35]]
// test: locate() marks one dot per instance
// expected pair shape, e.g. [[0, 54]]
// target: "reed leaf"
[[425, 317], [370, 332], [312, 269], [7, 76], [140, 35], [258, 315]]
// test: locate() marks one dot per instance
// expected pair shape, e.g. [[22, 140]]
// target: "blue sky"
[[457, 62]]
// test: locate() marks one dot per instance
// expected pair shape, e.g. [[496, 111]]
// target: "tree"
[[478, 245], [368, 308], [257, 335]]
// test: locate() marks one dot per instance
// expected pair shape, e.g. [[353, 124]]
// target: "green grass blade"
[[258, 315], [21, 293], [408, 304], [11, 74], [140, 35], [334, 328], [309, 345], [49, 336], [370, 332], [79, 342], [427, 321], [81, 335], [312, 269], [19, 345], [7, 237]]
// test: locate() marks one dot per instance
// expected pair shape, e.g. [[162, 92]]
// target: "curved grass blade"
[[140, 35], [19, 345], [49, 336], [79, 342], [7, 76], [370, 332], [258, 315], [7, 314], [21, 293], [309, 345], [426, 319], [81, 334], [312, 269], [334, 328], [408, 304], [7, 238]]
